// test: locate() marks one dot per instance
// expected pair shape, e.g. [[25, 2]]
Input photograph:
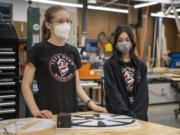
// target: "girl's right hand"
[[43, 114]]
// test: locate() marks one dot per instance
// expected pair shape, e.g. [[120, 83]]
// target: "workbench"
[[146, 128]]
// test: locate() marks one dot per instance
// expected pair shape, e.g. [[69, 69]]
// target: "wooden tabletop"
[[147, 128]]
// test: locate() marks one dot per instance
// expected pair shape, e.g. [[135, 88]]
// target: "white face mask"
[[123, 47], [62, 30]]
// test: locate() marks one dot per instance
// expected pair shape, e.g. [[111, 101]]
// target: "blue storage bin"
[[175, 60]]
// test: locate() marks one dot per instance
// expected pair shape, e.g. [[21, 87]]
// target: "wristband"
[[87, 103]]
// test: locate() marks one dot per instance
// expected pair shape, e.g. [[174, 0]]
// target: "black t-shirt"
[[128, 71], [55, 74]]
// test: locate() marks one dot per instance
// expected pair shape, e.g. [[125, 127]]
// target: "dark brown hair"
[[119, 30], [48, 16]]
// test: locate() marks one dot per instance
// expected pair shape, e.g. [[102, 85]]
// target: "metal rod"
[[84, 22], [159, 1], [109, 3], [85, 17], [176, 19], [154, 42], [7, 60], [4, 111], [7, 53], [7, 91], [7, 83], [160, 39], [7, 67], [6, 49], [118, 4], [7, 103], [7, 96]]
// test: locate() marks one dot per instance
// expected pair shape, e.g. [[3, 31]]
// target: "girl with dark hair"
[[126, 78], [55, 65]]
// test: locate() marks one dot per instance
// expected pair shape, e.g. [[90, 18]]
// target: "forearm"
[[82, 94], [29, 98]]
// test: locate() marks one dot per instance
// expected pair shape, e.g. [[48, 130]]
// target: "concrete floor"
[[164, 114]]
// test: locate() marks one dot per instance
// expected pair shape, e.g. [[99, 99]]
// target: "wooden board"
[[26, 125], [132, 16], [164, 48], [20, 28], [148, 58]]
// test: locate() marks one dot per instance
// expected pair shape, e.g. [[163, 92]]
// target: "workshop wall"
[[100, 21], [171, 35]]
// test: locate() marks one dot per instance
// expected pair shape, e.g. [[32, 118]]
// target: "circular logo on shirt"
[[62, 68]]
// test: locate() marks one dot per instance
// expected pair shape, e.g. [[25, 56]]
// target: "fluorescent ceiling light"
[[92, 1], [172, 11], [177, 10], [145, 4], [80, 6], [159, 1], [108, 9], [58, 3], [162, 15]]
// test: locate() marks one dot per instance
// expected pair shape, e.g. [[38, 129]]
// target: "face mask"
[[123, 47], [62, 30]]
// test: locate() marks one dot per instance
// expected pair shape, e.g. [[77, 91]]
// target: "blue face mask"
[[101, 37], [123, 47]]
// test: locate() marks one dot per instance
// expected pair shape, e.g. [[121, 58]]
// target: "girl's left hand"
[[97, 108]]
